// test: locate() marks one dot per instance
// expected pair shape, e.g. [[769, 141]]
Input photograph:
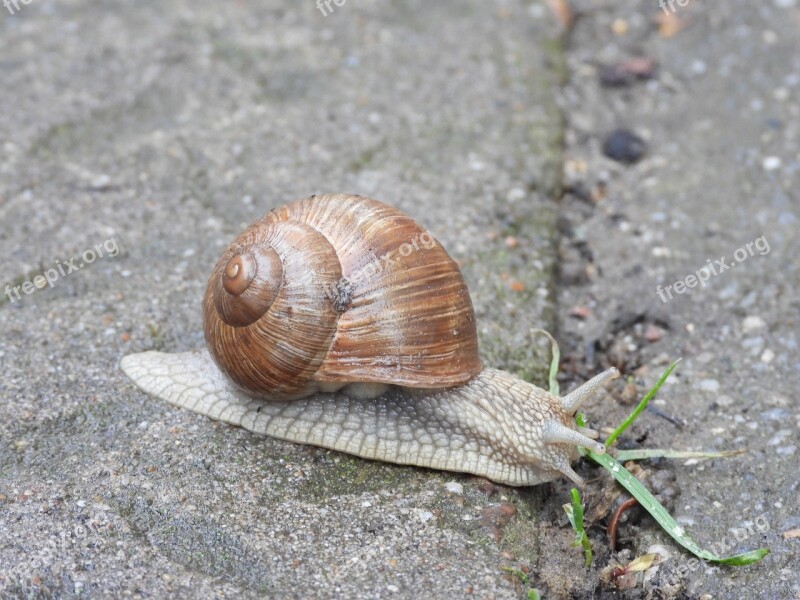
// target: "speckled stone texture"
[[720, 118], [162, 129], [153, 132]]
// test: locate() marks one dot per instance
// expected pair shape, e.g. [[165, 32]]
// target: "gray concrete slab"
[[720, 174], [154, 132]]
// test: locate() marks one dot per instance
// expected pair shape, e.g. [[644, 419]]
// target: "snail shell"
[[336, 289]]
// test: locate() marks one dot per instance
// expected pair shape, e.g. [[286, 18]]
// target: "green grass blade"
[[575, 516], [533, 593], [660, 514], [643, 453], [518, 574], [641, 406], [646, 499], [555, 358]]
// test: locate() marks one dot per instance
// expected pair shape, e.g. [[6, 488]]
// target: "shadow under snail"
[[340, 322]]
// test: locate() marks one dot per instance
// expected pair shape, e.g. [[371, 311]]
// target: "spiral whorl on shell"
[[337, 289]]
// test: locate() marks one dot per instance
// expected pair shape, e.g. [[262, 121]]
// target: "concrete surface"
[[721, 122], [160, 129]]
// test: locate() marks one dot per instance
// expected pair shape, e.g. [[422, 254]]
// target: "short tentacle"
[[572, 401], [567, 470], [591, 433], [556, 433]]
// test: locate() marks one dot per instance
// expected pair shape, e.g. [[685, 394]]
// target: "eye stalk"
[[573, 401]]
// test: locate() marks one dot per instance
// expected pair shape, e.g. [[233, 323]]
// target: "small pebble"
[[724, 400], [752, 323], [663, 552], [661, 252], [425, 515], [454, 487], [624, 146], [753, 345], [494, 518], [779, 437], [653, 333], [698, 67], [619, 27], [629, 394], [767, 356], [580, 312], [487, 487], [625, 581], [771, 163], [708, 385], [775, 414], [627, 72], [100, 183]]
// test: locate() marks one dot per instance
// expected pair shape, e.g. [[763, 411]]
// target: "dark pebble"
[[624, 146], [627, 72]]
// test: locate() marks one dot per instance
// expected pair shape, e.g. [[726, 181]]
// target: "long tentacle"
[[572, 401]]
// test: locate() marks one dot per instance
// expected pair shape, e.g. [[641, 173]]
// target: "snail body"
[[340, 322]]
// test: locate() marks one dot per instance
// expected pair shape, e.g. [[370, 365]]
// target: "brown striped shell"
[[338, 289]]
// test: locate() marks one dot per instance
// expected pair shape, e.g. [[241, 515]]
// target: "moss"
[[341, 475], [157, 336], [197, 542], [523, 535], [528, 358], [366, 157]]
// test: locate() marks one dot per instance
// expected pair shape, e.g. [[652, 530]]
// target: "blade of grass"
[[641, 406], [575, 516], [642, 453], [635, 488], [660, 514], [533, 593], [648, 501], [555, 358], [522, 576]]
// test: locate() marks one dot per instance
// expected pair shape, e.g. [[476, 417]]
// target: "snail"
[[338, 321]]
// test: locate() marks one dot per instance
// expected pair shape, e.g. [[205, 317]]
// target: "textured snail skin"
[[496, 426]]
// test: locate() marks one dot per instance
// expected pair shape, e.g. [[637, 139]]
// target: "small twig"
[[677, 422], [614, 522]]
